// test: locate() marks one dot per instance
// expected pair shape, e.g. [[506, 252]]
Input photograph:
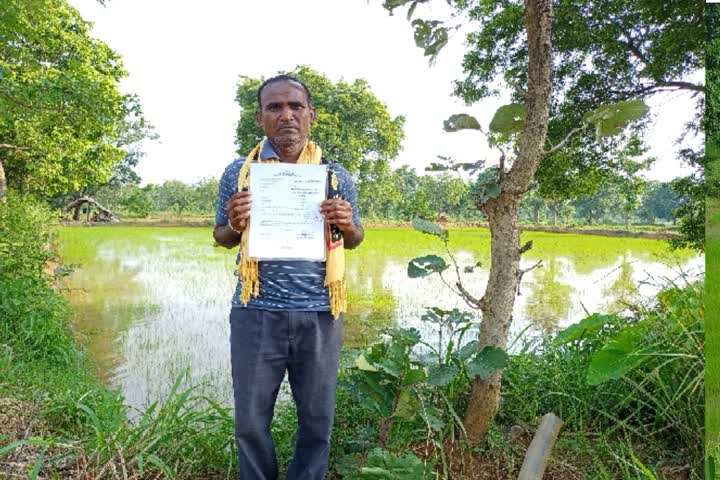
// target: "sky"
[[184, 59]]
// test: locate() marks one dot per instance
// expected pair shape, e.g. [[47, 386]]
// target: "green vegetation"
[[712, 309], [628, 382], [712, 247], [409, 195], [80, 414]]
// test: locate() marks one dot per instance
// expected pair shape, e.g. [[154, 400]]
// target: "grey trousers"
[[263, 345]]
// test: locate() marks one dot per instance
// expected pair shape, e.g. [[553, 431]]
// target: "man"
[[282, 316]]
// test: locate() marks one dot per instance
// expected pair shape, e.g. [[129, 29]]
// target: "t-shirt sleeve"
[[228, 187], [348, 192]]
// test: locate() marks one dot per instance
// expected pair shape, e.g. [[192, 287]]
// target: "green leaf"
[[430, 36], [437, 167], [362, 363], [407, 405], [426, 226], [488, 190], [427, 265], [487, 362], [457, 316], [382, 464], [441, 375], [586, 328], [414, 376], [461, 121], [508, 119], [468, 350], [492, 190], [611, 119], [622, 354], [162, 466]]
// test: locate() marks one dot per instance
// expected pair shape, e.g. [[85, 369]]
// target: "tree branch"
[[563, 142], [12, 147], [522, 272], [528, 245], [469, 299]]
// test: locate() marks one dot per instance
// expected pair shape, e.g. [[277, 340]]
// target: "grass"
[[189, 435]]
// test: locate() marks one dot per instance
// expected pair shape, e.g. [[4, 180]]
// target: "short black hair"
[[282, 78]]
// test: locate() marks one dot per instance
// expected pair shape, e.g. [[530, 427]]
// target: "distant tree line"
[[403, 194]]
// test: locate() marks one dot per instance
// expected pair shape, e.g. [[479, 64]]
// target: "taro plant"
[[406, 380]]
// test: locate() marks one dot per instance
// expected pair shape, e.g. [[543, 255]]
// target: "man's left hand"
[[338, 212]]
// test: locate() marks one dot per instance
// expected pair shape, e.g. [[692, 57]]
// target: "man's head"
[[285, 112]]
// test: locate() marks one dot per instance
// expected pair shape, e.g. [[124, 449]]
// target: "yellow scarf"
[[335, 257]]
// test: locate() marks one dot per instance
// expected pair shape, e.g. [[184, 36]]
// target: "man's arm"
[[354, 237], [226, 236], [238, 213]]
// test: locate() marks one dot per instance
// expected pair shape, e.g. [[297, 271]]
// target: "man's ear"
[[258, 118], [313, 114]]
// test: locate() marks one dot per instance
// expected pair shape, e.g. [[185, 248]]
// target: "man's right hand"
[[238, 210]]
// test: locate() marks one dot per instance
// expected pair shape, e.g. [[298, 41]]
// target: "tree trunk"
[[499, 299], [3, 184], [497, 307]]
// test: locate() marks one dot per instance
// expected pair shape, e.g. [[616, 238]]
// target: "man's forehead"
[[282, 88]]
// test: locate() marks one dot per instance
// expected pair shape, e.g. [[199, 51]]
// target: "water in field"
[[151, 302]]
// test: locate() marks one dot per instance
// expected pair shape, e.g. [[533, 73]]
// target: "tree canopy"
[[353, 126], [603, 52], [60, 107]]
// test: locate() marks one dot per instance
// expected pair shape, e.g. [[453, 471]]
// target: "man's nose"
[[286, 113]]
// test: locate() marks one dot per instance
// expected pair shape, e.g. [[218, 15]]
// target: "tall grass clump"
[[637, 378]]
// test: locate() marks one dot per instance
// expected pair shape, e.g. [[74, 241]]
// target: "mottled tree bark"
[[503, 216]]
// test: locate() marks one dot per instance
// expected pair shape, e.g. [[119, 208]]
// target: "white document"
[[285, 219]]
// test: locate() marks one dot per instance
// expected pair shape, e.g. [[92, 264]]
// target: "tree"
[[137, 202], [627, 185], [523, 128], [592, 208], [352, 126], [605, 51], [445, 193], [659, 201], [60, 108]]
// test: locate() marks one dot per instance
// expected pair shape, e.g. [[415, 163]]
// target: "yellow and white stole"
[[335, 256]]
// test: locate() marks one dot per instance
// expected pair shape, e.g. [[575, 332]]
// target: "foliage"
[[382, 464], [605, 52], [641, 375], [60, 108], [353, 127], [659, 201], [712, 99]]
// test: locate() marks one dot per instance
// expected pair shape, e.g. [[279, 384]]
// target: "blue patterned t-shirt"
[[285, 284]]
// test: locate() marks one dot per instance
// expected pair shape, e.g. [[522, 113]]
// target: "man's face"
[[285, 115]]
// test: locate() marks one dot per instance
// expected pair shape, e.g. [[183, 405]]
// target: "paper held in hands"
[[285, 219]]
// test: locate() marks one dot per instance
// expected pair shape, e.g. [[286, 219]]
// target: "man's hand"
[[238, 210], [339, 212]]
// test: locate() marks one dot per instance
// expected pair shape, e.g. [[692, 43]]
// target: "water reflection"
[[550, 296], [153, 302]]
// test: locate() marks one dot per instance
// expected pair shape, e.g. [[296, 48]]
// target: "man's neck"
[[288, 153]]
